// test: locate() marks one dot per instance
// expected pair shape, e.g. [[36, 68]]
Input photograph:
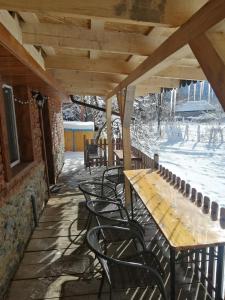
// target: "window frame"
[[18, 161]]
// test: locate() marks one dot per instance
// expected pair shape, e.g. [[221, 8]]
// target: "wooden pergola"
[[120, 48]]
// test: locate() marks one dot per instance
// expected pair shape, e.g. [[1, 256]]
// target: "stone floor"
[[57, 265]]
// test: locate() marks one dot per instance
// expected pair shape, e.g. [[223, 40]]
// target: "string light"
[[24, 102]]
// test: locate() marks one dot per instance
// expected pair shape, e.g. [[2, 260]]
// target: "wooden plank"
[[70, 36], [209, 15], [211, 63], [130, 12], [15, 48], [128, 109], [70, 62], [109, 131], [182, 72], [183, 224]]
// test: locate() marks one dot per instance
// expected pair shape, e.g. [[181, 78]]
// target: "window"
[[14, 153]]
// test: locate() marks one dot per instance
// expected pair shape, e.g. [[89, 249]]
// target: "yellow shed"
[[74, 132]]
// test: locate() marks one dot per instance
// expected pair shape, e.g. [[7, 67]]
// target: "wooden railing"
[[208, 263]]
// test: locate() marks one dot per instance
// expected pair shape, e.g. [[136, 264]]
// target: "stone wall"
[[17, 221]]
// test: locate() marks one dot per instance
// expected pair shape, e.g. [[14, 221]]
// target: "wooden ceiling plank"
[[160, 12], [68, 62], [71, 75], [181, 72], [19, 52], [209, 15], [60, 35]]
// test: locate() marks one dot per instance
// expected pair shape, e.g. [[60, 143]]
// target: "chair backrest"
[[92, 149], [93, 190], [104, 212], [93, 241]]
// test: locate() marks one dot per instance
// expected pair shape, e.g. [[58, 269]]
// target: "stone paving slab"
[[49, 244], [70, 264], [46, 233]]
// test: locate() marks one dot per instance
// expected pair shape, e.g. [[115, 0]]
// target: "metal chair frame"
[[129, 263]]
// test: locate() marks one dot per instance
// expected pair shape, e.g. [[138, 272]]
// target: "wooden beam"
[[18, 51], [181, 72], [128, 109], [88, 84], [60, 35], [209, 15], [86, 91], [70, 62], [97, 27], [135, 12], [109, 131], [71, 75], [145, 90], [212, 64], [161, 82]]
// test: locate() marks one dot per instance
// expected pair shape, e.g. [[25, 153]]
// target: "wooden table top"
[[183, 224], [119, 154]]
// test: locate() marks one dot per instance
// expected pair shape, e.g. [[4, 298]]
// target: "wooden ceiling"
[[95, 47]]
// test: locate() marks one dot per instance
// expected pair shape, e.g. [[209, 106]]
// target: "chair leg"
[[110, 293], [101, 286]]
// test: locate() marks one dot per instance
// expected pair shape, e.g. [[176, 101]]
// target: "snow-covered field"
[[196, 154]]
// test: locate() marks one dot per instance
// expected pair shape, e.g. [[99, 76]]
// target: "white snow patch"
[[78, 125]]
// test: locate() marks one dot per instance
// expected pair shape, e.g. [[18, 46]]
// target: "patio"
[[56, 267]]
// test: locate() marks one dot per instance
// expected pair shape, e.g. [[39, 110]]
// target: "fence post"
[[156, 161]]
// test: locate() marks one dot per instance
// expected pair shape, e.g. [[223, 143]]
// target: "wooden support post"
[[109, 131], [127, 112]]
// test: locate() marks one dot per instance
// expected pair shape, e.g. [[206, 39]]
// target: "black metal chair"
[[93, 190], [142, 269], [113, 213], [114, 175], [94, 152]]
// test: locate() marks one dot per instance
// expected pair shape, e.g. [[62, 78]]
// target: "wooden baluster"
[[166, 173], [156, 161], [177, 185], [206, 205], [182, 186], [174, 179], [214, 211], [212, 252], [193, 195], [222, 217], [187, 190], [199, 199], [169, 177], [205, 252]]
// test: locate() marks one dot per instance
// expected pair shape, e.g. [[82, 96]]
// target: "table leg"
[[172, 273], [132, 204]]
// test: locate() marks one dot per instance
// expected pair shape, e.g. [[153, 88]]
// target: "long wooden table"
[[182, 223]]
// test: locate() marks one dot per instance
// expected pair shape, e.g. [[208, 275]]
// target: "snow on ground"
[[200, 163], [73, 161]]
